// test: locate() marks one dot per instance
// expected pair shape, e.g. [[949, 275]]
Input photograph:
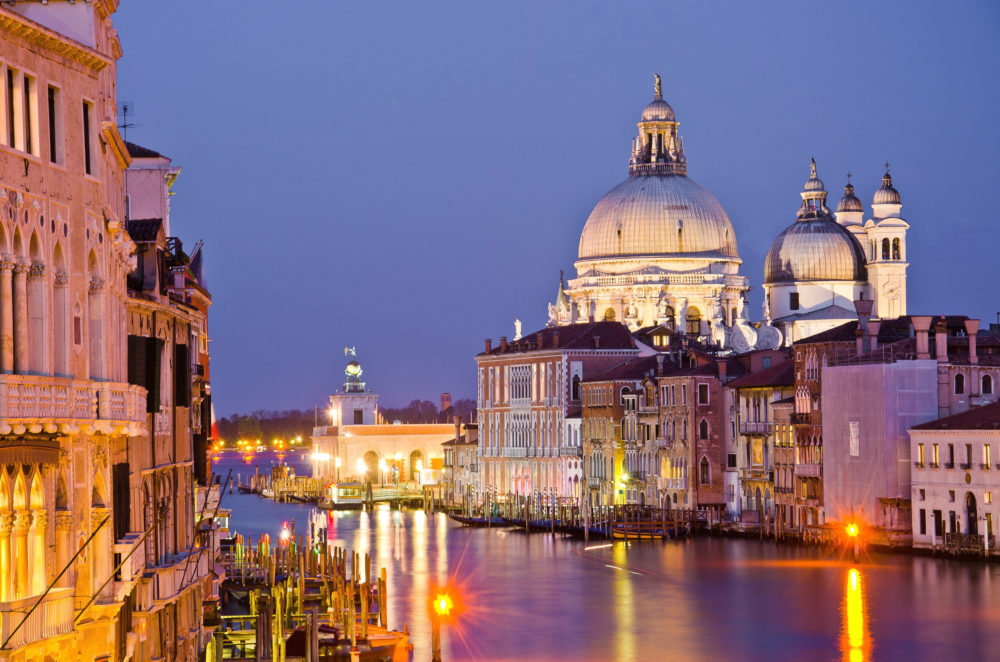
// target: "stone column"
[[21, 317], [100, 547], [6, 567], [39, 576], [22, 523], [7, 314], [64, 526]]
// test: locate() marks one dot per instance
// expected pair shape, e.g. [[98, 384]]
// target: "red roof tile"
[[986, 417]]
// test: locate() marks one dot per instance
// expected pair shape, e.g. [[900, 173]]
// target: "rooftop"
[[592, 336], [986, 417], [782, 374]]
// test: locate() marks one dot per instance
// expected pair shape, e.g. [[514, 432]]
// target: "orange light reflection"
[[855, 640]]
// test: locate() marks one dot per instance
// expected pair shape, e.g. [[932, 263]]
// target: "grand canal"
[[532, 597]]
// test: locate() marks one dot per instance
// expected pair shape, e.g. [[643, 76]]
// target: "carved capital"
[[40, 517], [96, 285], [97, 515], [7, 262], [62, 278], [6, 524], [21, 267], [22, 522], [64, 520], [36, 270]]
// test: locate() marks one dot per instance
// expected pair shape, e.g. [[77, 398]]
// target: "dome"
[[886, 195], [814, 183], [657, 215], [849, 202], [658, 110], [814, 250]]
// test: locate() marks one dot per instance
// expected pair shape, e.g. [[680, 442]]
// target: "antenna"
[[127, 108]]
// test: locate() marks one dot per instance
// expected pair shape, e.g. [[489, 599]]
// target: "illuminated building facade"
[[526, 390]]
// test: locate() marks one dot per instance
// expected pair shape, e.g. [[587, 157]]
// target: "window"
[[968, 456], [575, 394], [22, 112], [88, 111], [986, 456], [55, 125], [766, 362], [359, 417], [706, 479], [920, 455], [951, 496], [938, 523], [923, 494], [934, 455], [959, 384], [923, 522], [703, 429], [885, 249], [702, 394], [684, 394], [793, 300], [951, 457], [732, 460], [987, 385], [987, 497], [685, 430], [895, 248]]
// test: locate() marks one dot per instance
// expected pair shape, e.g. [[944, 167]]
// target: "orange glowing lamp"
[[852, 530], [443, 604]]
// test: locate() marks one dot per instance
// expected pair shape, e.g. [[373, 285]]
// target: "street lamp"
[[852, 534], [382, 468], [336, 462], [362, 469], [441, 609]]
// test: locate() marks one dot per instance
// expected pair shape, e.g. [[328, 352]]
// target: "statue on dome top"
[[657, 87]]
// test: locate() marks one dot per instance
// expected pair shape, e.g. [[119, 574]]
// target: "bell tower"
[[886, 248]]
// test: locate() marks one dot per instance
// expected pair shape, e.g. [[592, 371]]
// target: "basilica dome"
[[658, 110], [658, 214], [815, 246], [814, 250]]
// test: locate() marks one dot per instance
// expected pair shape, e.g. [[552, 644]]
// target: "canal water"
[[534, 597]]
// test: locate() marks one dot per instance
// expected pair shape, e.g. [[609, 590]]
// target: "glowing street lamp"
[[852, 534], [441, 608], [361, 467], [382, 468], [337, 463]]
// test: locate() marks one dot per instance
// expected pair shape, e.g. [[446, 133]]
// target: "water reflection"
[[855, 641]]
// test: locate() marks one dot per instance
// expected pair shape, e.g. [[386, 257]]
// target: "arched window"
[[703, 429], [575, 395], [684, 430], [959, 384], [987, 385], [609, 315], [895, 248], [885, 249], [706, 479], [693, 321]]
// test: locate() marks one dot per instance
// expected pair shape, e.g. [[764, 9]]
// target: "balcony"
[[800, 419], [570, 451], [513, 451], [918, 464], [809, 470], [755, 427], [593, 482], [54, 616], [965, 466], [33, 403]]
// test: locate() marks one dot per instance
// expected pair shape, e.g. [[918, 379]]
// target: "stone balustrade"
[[54, 616], [35, 404]]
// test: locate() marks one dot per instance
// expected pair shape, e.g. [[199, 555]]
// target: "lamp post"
[[852, 533], [336, 463], [362, 470], [441, 609], [382, 469]]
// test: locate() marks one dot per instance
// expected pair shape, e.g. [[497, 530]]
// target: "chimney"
[[859, 340], [555, 338], [972, 328], [659, 364], [873, 327], [489, 345], [721, 365], [941, 340], [457, 420], [597, 342], [921, 324], [503, 343], [538, 340]]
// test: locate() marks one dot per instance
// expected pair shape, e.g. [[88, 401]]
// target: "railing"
[[918, 464], [883, 354], [510, 451], [40, 397], [570, 451], [966, 466], [808, 470], [54, 616], [985, 466], [799, 418], [755, 427], [593, 482]]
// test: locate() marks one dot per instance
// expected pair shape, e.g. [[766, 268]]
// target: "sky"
[[407, 178]]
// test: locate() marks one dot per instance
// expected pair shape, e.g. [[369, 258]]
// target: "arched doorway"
[[971, 524], [416, 457], [758, 502], [609, 315], [371, 465]]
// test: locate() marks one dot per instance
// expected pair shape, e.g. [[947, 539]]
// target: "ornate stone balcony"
[[54, 616], [755, 427], [809, 470], [35, 404]]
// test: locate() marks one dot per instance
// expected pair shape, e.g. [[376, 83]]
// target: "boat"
[[344, 496], [478, 521], [380, 645]]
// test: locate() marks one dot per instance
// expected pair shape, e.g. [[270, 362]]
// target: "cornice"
[[114, 139], [39, 35]]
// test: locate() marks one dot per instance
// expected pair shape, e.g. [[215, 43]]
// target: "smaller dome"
[[814, 183], [849, 202], [814, 250], [886, 195], [353, 369], [658, 110]]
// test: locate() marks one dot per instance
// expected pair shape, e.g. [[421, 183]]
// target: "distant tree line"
[[286, 424]]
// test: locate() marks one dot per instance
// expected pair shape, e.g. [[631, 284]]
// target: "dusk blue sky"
[[408, 177]]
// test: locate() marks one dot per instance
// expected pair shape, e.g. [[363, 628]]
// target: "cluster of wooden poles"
[[290, 584]]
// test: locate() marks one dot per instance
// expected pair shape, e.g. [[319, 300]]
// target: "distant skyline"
[[407, 179]]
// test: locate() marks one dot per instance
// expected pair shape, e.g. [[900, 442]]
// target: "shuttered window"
[[182, 376], [121, 498], [144, 368]]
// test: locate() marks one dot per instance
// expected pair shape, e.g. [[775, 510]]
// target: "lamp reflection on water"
[[855, 640]]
